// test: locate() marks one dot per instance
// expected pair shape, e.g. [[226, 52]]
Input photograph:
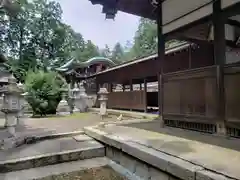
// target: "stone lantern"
[[83, 103], [103, 97], [11, 104], [75, 97], [63, 106]]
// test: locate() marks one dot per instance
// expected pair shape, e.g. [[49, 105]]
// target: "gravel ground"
[[101, 173]]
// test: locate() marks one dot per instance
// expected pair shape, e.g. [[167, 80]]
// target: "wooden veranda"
[[201, 93]]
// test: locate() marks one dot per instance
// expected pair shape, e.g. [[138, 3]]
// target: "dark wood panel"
[[209, 71], [135, 100], [232, 93], [191, 93]]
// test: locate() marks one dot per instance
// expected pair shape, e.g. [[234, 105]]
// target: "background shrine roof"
[[75, 64]]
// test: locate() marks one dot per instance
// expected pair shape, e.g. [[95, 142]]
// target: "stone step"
[[51, 170], [50, 152], [74, 168]]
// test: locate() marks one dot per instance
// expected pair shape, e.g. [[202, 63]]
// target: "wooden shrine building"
[[198, 81]]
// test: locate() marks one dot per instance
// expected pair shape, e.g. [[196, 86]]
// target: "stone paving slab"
[[80, 138], [214, 158], [49, 152]]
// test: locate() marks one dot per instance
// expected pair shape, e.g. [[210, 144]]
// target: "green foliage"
[[144, 44], [145, 40], [36, 38], [117, 53], [44, 90]]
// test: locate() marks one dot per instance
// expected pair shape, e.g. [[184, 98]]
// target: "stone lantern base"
[[63, 108], [103, 93]]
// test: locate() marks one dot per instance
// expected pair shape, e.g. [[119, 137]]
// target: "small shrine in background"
[[82, 91], [75, 71]]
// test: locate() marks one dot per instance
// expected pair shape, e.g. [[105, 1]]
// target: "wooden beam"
[[220, 59]]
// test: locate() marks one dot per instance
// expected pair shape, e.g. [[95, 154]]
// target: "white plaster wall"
[[196, 15], [227, 3], [232, 55], [229, 32], [173, 9]]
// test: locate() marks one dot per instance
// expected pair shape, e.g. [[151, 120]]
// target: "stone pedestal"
[[221, 129], [63, 107], [79, 98], [76, 98], [82, 104], [103, 97]]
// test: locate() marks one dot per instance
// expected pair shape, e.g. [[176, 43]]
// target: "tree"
[[145, 40], [89, 51], [117, 53], [106, 52], [36, 38], [44, 91]]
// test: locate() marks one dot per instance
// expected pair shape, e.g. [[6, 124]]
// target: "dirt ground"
[[101, 173], [57, 124]]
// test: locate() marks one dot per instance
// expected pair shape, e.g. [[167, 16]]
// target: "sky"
[[89, 20]]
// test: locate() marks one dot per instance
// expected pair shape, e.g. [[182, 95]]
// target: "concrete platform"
[[49, 152], [180, 157]]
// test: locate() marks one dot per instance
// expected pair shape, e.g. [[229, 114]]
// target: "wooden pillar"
[[161, 55], [131, 85], [220, 58], [140, 86], [190, 57], [110, 87], [131, 89], [123, 87], [145, 92]]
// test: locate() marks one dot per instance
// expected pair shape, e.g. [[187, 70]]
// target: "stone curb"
[[130, 114], [123, 122], [19, 141], [50, 172], [165, 162], [33, 139], [52, 158]]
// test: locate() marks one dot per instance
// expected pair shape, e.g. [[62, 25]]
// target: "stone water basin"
[[98, 173]]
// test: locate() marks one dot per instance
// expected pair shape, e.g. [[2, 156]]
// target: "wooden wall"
[[192, 57], [232, 94], [135, 100], [190, 95]]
